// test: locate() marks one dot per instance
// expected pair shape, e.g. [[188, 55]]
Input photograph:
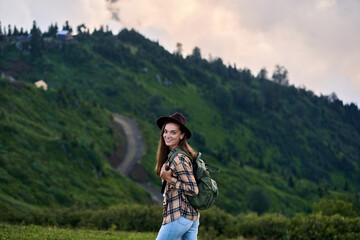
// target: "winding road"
[[134, 144], [134, 151]]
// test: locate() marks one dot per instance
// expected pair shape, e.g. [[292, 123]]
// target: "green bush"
[[267, 226], [258, 200], [214, 222], [329, 207], [125, 218], [317, 226]]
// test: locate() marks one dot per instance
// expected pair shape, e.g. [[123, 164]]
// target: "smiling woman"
[[180, 218]]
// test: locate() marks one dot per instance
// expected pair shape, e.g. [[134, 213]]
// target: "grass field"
[[18, 232], [33, 232]]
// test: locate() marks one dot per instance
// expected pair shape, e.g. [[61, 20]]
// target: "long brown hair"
[[163, 150]]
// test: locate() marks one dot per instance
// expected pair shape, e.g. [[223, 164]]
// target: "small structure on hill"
[[64, 35], [41, 84]]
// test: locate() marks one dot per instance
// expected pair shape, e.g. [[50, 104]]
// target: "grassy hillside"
[[279, 147], [52, 152], [36, 232]]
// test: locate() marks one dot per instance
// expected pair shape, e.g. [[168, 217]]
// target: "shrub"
[[329, 207], [127, 218], [214, 222], [267, 226], [317, 226], [258, 200]]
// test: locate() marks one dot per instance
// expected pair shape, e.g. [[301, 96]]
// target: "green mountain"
[[280, 148], [52, 152]]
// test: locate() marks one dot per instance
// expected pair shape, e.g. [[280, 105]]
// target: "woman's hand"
[[166, 174]]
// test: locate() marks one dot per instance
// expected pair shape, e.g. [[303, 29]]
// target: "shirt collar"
[[172, 152]]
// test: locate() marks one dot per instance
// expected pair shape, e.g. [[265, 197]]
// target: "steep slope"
[[52, 152]]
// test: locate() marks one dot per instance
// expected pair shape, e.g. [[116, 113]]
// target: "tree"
[[4, 31], [280, 75], [218, 66], [1, 33], [83, 32], [179, 49], [346, 186], [76, 54], [80, 28], [67, 26], [291, 182], [16, 31], [9, 30], [36, 41], [53, 29], [195, 57], [261, 164], [258, 200], [262, 74], [196, 54], [221, 97], [270, 92], [329, 207], [242, 96], [332, 97]]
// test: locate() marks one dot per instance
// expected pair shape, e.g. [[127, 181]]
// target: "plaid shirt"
[[183, 183]]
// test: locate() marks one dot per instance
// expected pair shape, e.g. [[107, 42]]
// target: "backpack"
[[208, 190]]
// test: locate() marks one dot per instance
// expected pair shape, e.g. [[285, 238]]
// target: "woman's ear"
[[182, 136]]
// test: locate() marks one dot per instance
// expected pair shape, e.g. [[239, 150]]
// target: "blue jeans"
[[181, 228]]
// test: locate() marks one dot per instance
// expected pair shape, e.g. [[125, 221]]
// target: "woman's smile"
[[168, 140]]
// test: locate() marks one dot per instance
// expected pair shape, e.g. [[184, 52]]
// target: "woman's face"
[[172, 135]]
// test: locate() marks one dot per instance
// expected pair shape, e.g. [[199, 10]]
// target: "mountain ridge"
[[264, 134]]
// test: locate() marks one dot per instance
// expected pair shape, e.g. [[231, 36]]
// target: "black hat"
[[175, 118]]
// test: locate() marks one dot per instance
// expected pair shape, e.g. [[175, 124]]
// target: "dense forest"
[[280, 148]]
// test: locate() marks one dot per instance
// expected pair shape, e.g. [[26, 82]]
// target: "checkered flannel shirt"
[[183, 183]]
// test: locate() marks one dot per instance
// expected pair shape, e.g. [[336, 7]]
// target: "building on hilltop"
[[64, 35]]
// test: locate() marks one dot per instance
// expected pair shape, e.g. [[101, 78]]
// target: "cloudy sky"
[[318, 41]]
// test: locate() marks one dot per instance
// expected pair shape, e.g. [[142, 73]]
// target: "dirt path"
[[134, 144], [130, 166]]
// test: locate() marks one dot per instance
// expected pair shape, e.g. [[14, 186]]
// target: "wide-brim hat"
[[175, 118]]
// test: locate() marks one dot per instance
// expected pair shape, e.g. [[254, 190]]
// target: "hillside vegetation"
[[280, 148], [52, 153]]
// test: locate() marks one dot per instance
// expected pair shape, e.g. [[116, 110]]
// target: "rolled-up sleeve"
[[183, 179]]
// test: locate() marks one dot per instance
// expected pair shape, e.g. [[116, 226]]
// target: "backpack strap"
[[170, 161], [175, 153]]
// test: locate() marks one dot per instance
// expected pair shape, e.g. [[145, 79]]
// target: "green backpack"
[[208, 190]]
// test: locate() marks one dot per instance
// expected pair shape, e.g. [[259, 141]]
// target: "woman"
[[180, 219]]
